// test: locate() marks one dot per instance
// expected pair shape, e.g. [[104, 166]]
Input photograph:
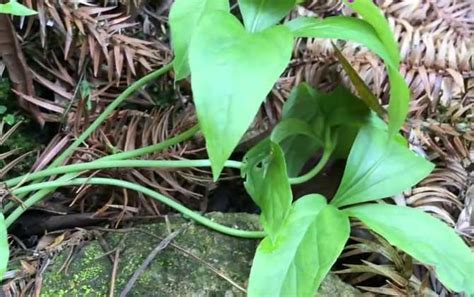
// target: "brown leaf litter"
[[436, 40]]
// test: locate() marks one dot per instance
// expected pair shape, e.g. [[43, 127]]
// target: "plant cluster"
[[233, 67]]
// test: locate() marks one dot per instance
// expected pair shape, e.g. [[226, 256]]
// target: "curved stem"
[[313, 172], [117, 164], [330, 145], [135, 187], [101, 118], [129, 154], [155, 147], [108, 110]]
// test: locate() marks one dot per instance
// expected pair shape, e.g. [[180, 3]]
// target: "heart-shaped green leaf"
[[306, 248], [232, 71], [259, 15], [15, 8], [184, 17], [4, 249], [267, 183], [425, 238], [379, 167]]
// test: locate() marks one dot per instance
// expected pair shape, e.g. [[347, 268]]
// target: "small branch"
[[113, 278], [161, 246]]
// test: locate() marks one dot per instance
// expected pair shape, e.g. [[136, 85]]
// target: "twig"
[[212, 268], [105, 246], [113, 278], [114, 272], [190, 254], [161, 246]]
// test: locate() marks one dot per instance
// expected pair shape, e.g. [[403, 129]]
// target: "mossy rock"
[[198, 262]]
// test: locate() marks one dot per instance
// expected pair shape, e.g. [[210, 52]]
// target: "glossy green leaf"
[[400, 94], [259, 15], [399, 101], [302, 105], [306, 248], [361, 87], [15, 8], [232, 73], [9, 119], [340, 112], [372, 14], [333, 230], [267, 183], [345, 114], [379, 167], [342, 108], [291, 127], [425, 238], [374, 37], [345, 28], [4, 249], [399, 91], [184, 17]]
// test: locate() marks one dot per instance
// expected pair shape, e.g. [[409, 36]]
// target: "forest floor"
[[74, 79]]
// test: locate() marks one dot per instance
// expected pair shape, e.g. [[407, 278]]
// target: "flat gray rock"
[[198, 262]]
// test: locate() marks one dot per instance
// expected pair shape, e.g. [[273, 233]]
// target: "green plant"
[[7, 117], [7, 113], [305, 238], [233, 67], [15, 8]]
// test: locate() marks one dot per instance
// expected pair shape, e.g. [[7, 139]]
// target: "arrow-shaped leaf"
[[232, 71], [259, 15], [184, 17], [267, 183], [306, 248], [379, 167]]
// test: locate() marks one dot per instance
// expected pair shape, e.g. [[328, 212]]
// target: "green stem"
[[328, 150], [107, 111], [135, 187], [117, 164], [153, 148], [100, 119], [313, 172], [129, 154], [120, 156]]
